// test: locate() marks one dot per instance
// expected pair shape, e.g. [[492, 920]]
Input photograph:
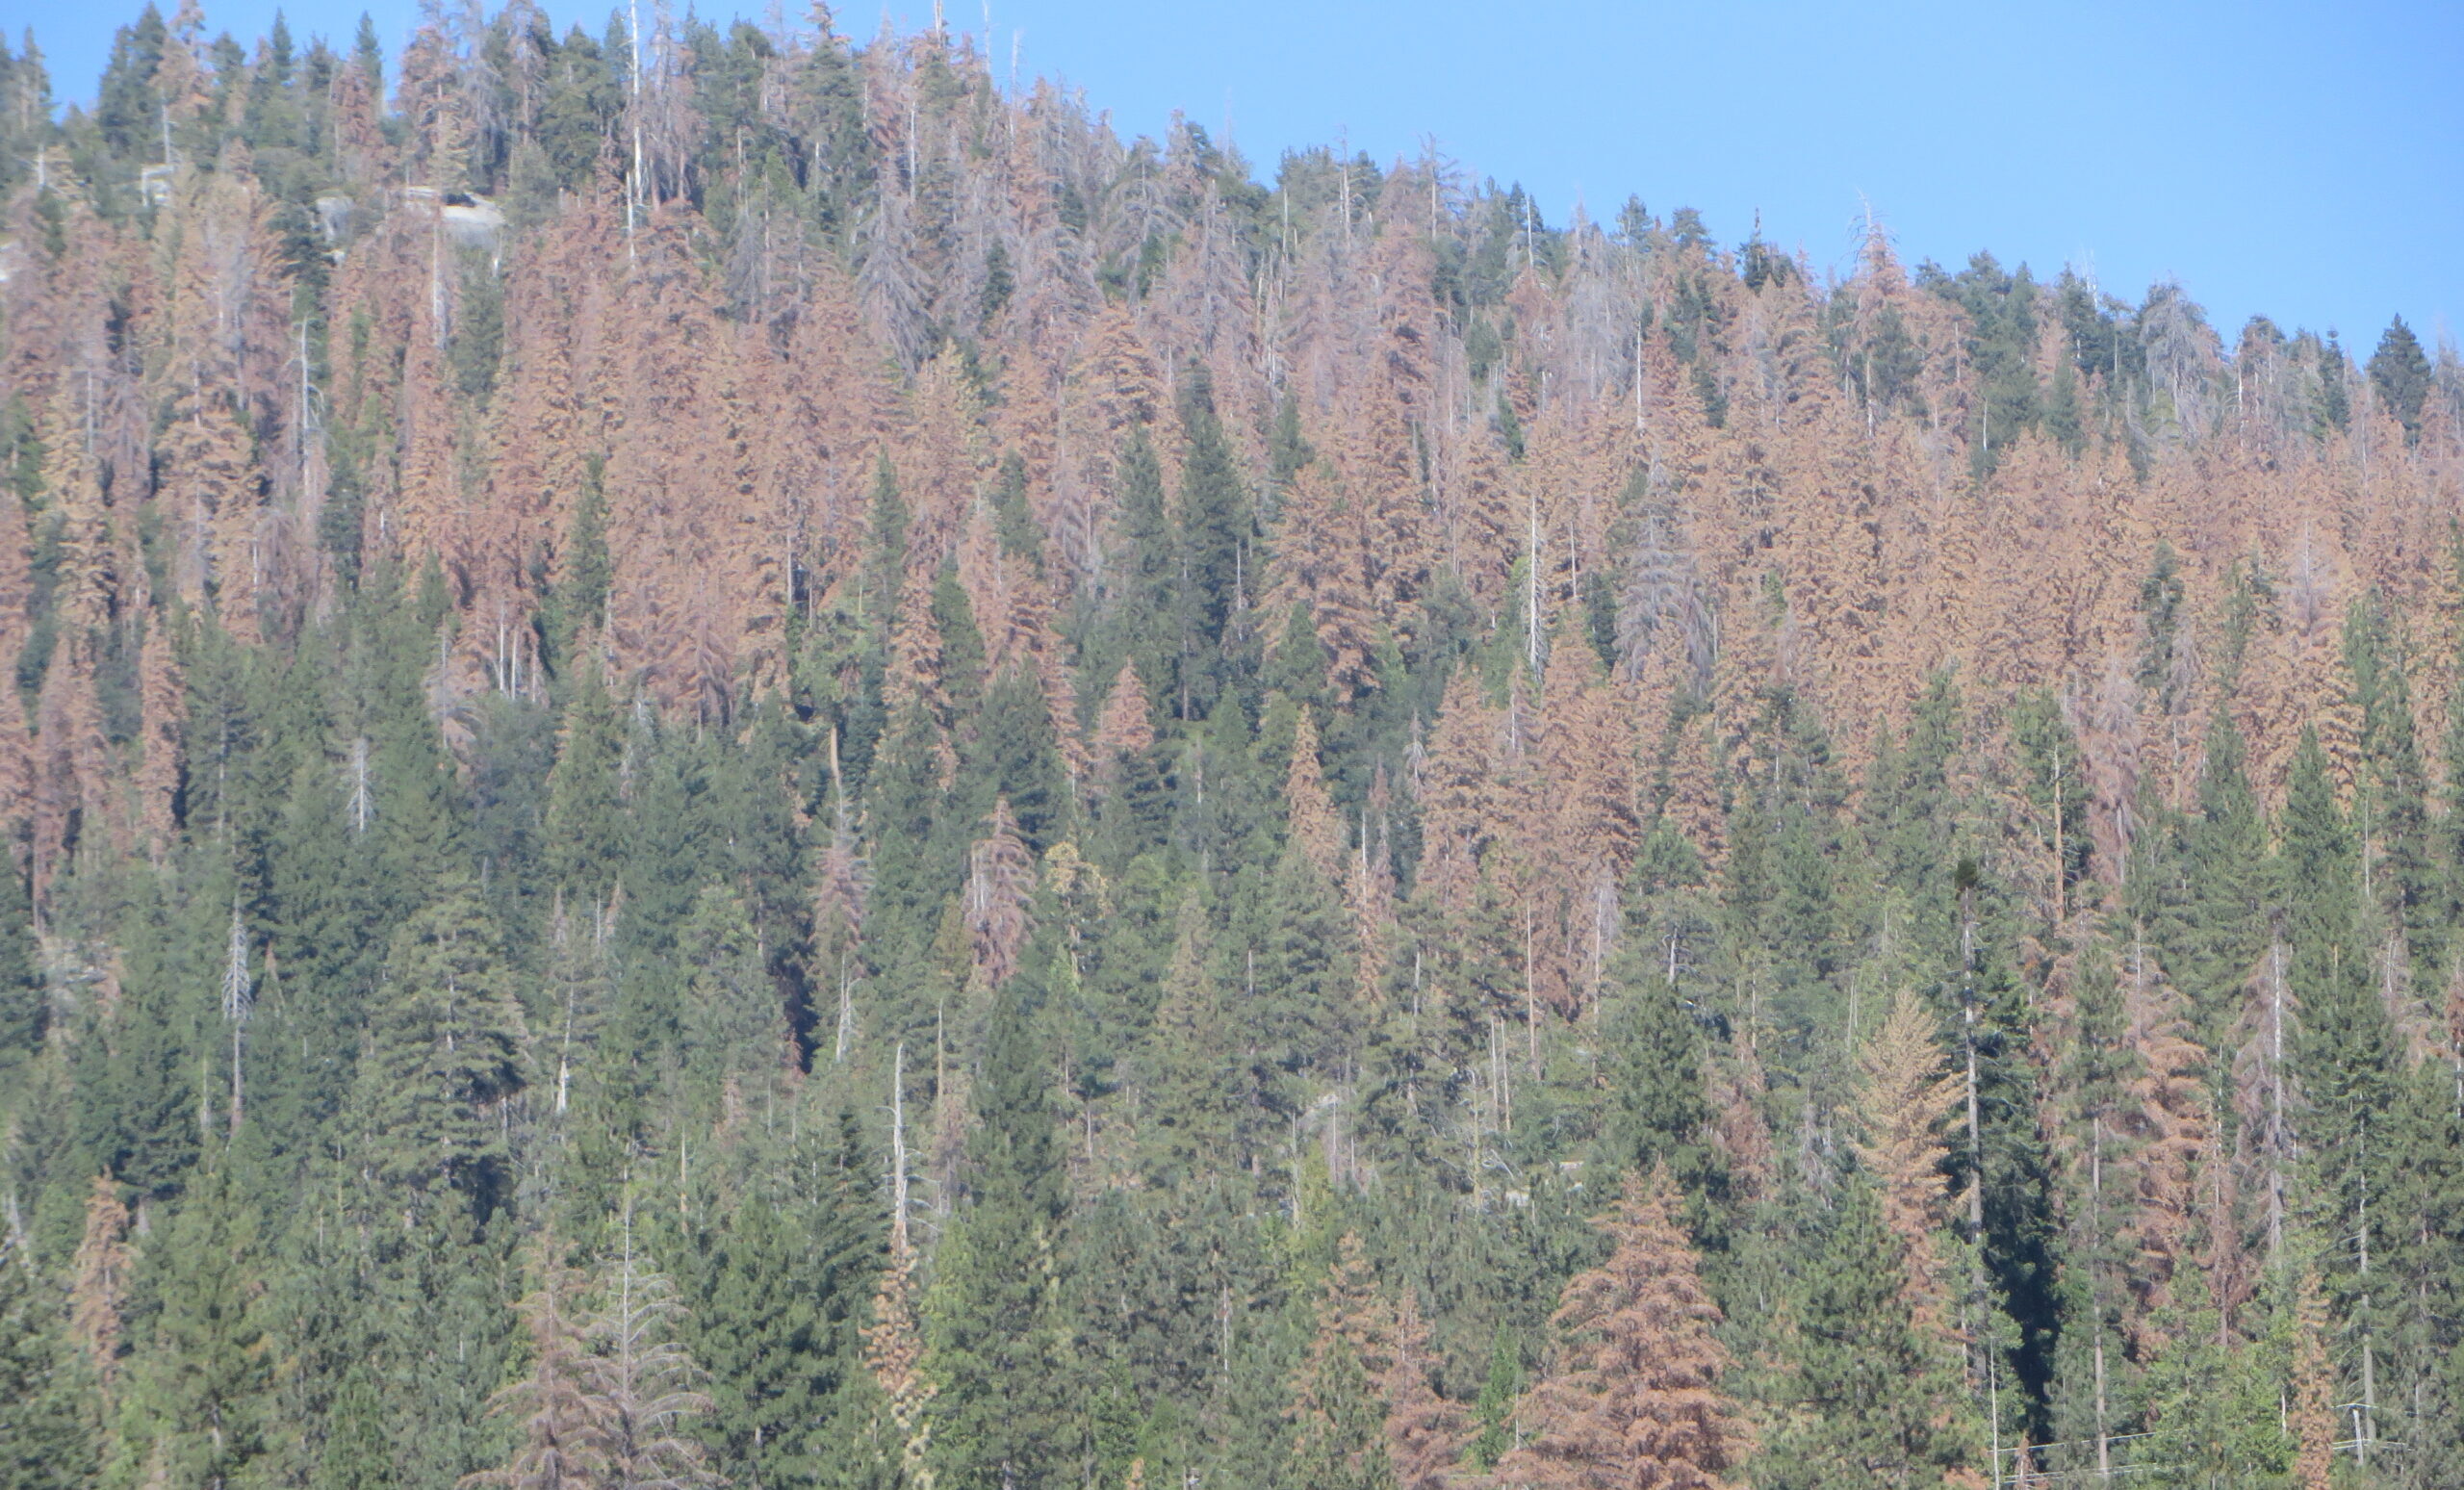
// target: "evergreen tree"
[[25, 1014], [1655, 1048], [1216, 532], [196, 1412], [2400, 372], [46, 1435], [563, 1426], [584, 822], [1190, 1076], [2213, 1400], [639, 1383], [998, 1337], [442, 1054], [1635, 1394], [1339, 1436], [1875, 1400], [775, 1292], [355, 1455], [734, 1030]]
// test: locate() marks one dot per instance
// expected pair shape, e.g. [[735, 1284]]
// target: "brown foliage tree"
[[1634, 1400]]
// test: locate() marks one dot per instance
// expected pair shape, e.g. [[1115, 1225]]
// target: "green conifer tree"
[[998, 1336], [1880, 1403], [46, 1435], [1189, 1072], [444, 1050], [198, 1409]]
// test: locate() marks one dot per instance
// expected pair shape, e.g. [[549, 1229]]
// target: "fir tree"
[[442, 1053], [1634, 1397], [1189, 1074], [46, 1433], [1338, 1435], [584, 821], [641, 1385], [998, 1330], [2401, 374], [1875, 1397], [563, 1425], [198, 1403]]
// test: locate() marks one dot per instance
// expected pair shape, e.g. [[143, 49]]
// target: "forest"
[[744, 757]]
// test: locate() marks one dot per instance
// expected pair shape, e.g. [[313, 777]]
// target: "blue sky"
[[2306, 161]]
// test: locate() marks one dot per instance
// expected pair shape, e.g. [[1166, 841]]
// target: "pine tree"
[[1903, 1098], [563, 1427], [1339, 1417], [1874, 1399], [643, 1387], [25, 1006], [1634, 1397], [444, 1050], [1146, 621], [47, 1438], [1188, 1071]]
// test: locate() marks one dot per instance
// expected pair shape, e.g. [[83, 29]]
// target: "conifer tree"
[[1189, 1073], [1147, 619], [1662, 1113], [2345, 1053], [997, 1333], [1425, 1432], [895, 1362], [443, 1049], [2401, 374], [2223, 928], [735, 1031], [1215, 530], [644, 1388], [1000, 884], [1874, 1398], [773, 1293], [2310, 1412], [198, 1403], [580, 995], [357, 1455], [1315, 831], [1634, 1397], [1903, 1098], [101, 1280], [563, 1444], [46, 1435], [584, 823], [2212, 1398], [1339, 1417]]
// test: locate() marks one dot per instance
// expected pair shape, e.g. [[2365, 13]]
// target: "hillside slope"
[[816, 776]]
